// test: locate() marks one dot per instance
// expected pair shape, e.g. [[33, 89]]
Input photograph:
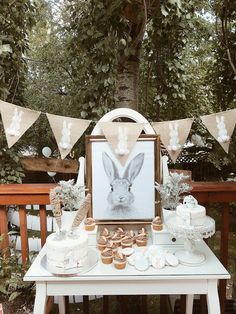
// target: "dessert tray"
[[190, 256], [88, 263]]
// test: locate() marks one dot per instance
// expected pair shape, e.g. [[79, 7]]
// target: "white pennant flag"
[[67, 131], [121, 136], [16, 121], [221, 126], [173, 135]]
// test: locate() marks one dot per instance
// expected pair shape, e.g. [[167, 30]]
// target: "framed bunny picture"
[[123, 192]]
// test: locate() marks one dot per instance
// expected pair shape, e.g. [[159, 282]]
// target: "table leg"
[[40, 298], [62, 305], [189, 303], [213, 303]]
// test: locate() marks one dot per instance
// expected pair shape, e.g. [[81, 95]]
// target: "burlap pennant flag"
[[67, 131], [121, 136], [16, 121], [221, 126], [173, 135]]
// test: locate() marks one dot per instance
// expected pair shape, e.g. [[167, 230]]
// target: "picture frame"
[[134, 182]]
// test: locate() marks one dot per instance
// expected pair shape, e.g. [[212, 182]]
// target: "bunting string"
[[121, 136]]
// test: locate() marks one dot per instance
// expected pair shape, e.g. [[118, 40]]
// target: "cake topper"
[[190, 202], [56, 207], [82, 212]]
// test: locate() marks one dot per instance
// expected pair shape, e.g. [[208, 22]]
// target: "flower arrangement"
[[172, 191], [70, 195]]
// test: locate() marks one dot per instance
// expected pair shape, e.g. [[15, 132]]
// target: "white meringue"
[[158, 262], [171, 260]]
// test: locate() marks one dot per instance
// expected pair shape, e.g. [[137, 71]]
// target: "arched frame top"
[[124, 113]]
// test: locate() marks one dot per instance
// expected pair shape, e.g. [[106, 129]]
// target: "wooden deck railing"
[[22, 194]]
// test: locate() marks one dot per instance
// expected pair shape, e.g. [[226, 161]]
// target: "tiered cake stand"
[[190, 256]]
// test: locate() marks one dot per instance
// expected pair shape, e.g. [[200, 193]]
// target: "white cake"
[[67, 252], [190, 213]]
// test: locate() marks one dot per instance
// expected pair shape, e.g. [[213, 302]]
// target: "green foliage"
[[11, 275], [172, 191], [100, 35], [78, 47], [15, 19], [11, 170]]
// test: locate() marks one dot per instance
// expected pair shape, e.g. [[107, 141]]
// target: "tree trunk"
[[128, 83]]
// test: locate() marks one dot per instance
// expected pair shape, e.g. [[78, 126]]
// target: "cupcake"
[[107, 256], [119, 261], [141, 239], [89, 224], [105, 233], [121, 232], [143, 231], [116, 238], [157, 224], [126, 242], [101, 243], [113, 246], [128, 251], [131, 234]]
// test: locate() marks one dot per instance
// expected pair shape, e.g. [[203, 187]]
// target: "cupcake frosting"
[[142, 237], [116, 236], [102, 240], [157, 221], [127, 240], [120, 231], [119, 257], [107, 252], [89, 221], [112, 245], [105, 232], [142, 231]]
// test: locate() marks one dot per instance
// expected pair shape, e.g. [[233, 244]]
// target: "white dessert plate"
[[88, 263]]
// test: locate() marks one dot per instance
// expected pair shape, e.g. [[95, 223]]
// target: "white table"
[[106, 280]]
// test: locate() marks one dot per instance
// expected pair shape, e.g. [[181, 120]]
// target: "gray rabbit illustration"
[[120, 197]]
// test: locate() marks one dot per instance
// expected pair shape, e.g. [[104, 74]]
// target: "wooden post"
[[43, 224], [23, 234], [105, 304], [224, 251], [85, 304], [4, 230]]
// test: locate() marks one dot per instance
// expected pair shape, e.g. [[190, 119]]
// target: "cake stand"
[[190, 256]]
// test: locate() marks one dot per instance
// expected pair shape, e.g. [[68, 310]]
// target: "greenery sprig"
[[69, 194], [172, 191]]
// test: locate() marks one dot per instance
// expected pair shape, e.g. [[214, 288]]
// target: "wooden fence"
[[22, 194]]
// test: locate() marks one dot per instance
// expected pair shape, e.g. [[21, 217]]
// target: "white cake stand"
[[189, 255]]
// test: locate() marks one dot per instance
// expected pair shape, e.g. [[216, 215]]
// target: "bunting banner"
[[16, 121], [121, 136], [221, 126], [67, 131], [173, 135]]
